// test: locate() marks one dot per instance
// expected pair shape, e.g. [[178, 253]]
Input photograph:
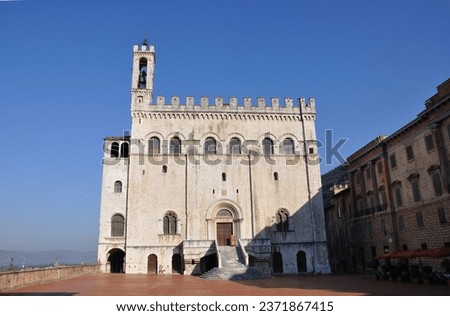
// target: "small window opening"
[[235, 146], [115, 150], [175, 146], [380, 168], [117, 187], [210, 146], [124, 150], [224, 176], [275, 176], [393, 161], [154, 145], [164, 169], [267, 145], [409, 153], [288, 146], [429, 143]]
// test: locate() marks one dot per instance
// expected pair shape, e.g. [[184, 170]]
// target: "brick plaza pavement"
[[179, 285]]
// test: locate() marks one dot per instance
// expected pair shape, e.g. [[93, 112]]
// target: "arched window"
[[224, 176], [175, 146], [275, 176], [288, 146], [234, 146], [124, 150], [210, 146], [164, 169], [170, 223], [117, 187], [282, 218], [115, 150], [154, 145], [117, 226], [267, 144]]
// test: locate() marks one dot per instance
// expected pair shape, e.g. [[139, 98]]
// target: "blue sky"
[[65, 71]]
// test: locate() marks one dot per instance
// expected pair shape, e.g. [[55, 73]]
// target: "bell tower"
[[142, 77]]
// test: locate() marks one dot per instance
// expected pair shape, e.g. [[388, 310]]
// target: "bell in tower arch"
[[142, 80]]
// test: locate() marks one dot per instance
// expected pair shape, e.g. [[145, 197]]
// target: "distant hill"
[[30, 259]]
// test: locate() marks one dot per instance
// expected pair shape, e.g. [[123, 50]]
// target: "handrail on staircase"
[[219, 258], [242, 251]]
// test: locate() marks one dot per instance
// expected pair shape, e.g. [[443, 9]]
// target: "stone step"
[[232, 268], [246, 273]]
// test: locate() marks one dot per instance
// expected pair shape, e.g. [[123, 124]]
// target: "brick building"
[[398, 192]]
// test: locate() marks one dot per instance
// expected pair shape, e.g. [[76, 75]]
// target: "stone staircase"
[[232, 268]]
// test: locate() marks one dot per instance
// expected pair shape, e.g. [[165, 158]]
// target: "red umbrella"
[[438, 252]]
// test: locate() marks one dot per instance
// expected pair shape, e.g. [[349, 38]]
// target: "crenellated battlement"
[[231, 104], [144, 48]]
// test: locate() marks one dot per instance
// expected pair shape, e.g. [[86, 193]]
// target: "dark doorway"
[[251, 261], [176, 264], [208, 262], [224, 232], [277, 259], [301, 261], [152, 264], [116, 258]]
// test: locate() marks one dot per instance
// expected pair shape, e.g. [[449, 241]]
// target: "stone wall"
[[16, 279]]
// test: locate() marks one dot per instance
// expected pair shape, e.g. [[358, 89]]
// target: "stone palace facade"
[[192, 177]]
